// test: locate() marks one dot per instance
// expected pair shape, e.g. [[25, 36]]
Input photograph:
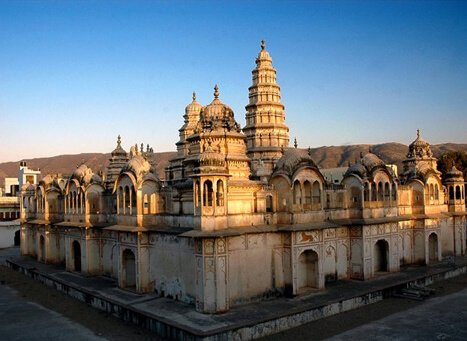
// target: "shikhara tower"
[[266, 132]]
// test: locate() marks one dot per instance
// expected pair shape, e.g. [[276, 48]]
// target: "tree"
[[454, 158]]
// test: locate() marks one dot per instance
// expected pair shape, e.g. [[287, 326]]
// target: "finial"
[[142, 147], [216, 91], [309, 151], [194, 96], [418, 133], [147, 148], [119, 141], [295, 144], [263, 45]]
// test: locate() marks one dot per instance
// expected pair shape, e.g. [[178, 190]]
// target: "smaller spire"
[[142, 147], [295, 144], [119, 141], [263, 45], [216, 91], [194, 96], [418, 133]]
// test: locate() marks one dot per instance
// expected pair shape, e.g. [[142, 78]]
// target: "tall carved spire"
[[266, 131]]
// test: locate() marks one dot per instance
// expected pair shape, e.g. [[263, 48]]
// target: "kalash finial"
[[263, 44], [119, 141], [216, 91], [295, 144], [194, 96], [418, 133]]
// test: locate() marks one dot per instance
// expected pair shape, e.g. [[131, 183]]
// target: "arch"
[[297, 193], [381, 256], [17, 238], [307, 192], [366, 191], [220, 193], [129, 268], [42, 248], [126, 196], [458, 192], [387, 193], [76, 249], [133, 201], [316, 195], [380, 191], [197, 194], [436, 192], [451, 193], [121, 203], [269, 204], [308, 270], [433, 248], [208, 193]]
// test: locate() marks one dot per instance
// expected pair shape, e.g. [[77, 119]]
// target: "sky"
[[75, 74]]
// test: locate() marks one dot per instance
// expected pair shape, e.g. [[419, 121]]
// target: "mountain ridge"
[[325, 157]]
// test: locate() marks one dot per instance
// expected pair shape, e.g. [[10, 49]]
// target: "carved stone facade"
[[241, 217]]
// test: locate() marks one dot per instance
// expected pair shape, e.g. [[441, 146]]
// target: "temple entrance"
[[76, 256], [17, 238], [381, 256], [308, 270], [129, 269], [433, 248], [42, 249]]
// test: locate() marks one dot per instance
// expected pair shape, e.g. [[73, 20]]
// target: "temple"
[[239, 215]]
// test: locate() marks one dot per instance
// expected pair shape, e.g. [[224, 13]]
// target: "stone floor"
[[184, 316]]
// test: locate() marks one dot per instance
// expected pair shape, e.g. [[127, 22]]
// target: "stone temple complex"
[[240, 216]]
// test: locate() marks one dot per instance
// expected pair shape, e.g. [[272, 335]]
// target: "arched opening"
[[316, 196], [269, 207], [381, 256], [436, 192], [308, 192], [121, 203], [220, 193], [458, 192], [308, 270], [129, 269], [297, 193], [208, 193], [42, 248], [380, 191], [451, 193], [433, 248], [126, 196], [76, 256], [17, 238], [133, 201], [366, 192], [197, 194], [387, 194]]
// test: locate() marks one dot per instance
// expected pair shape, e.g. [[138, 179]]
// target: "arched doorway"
[[433, 248], [381, 256], [17, 238], [308, 270], [42, 248], [76, 256], [129, 269]]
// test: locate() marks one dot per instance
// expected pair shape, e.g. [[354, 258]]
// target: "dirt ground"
[[111, 328]]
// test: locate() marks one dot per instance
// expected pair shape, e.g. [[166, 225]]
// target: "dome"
[[264, 59], [419, 148], [357, 169], [80, 172], [119, 150], [454, 173], [137, 165], [371, 161], [217, 115], [294, 158], [194, 106]]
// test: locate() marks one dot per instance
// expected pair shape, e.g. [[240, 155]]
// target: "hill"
[[325, 157]]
